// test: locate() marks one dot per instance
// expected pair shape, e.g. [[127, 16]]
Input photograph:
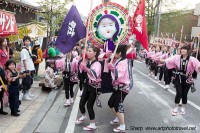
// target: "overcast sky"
[[83, 5]]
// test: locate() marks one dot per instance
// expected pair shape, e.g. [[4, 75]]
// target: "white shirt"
[[24, 55]]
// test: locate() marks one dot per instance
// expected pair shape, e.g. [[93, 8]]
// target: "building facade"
[[196, 29], [24, 13], [172, 23]]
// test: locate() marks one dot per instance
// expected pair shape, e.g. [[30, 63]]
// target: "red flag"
[[139, 25]]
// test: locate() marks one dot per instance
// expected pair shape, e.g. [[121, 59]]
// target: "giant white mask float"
[[109, 24]]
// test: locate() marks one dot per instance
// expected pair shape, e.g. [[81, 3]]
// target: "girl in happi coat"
[[70, 77], [92, 86], [106, 84], [122, 83], [185, 66], [145, 57], [4, 52], [81, 74], [155, 62], [167, 72], [160, 65], [150, 61]]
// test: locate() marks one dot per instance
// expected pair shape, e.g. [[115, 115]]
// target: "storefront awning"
[[8, 24]]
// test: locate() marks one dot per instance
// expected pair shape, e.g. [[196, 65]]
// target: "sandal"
[[174, 113], [182, 112], [80, 121], [114, 123], [118, 130], [88, 128]]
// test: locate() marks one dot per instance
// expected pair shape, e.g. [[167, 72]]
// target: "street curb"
[[32, 125]]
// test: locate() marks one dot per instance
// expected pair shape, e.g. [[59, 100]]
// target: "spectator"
[[51, 51], [10, 50], [4, 52], [2, 74], [37, 52], [50, 78], [27, 68]]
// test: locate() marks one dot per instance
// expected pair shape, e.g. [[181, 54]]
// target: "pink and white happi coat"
[[74, 70], [156, 57], [193, 64], [149, 54], [121, 76], [130, 54], [95, 76]]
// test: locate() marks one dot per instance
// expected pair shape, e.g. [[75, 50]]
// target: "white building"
[[196, 30]]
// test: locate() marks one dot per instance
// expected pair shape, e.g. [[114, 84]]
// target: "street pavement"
[[147, 109], [10, 124]]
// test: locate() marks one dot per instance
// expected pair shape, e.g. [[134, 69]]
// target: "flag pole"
[[88, 27], [4, 86], [181, 34], [112, 58], [198, 46], [114, 52]]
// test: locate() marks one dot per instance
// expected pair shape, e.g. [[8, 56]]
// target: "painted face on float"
[[107, 28]]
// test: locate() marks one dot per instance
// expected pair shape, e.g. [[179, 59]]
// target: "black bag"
[[98, 102], [194, 75], [121, 108], [193, 89], [121, 105]]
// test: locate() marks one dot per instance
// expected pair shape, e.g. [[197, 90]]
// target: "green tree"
[[53, 12]]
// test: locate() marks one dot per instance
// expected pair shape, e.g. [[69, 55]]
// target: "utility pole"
[[159, 15], [157, 19]]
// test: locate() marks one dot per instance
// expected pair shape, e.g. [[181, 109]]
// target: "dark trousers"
[[147, 61], [154, 68], [116, 98], [36, 68], [162, 69], [27, 82], [168, 76], [82, 76], [68, 86], [182, 89], [151, 67], [89, 97], [14, 98], [81, 84], [1, 100]]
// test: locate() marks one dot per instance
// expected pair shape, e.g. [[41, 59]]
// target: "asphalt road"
[[147, 109]]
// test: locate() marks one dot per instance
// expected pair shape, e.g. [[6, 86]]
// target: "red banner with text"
[[8, 24]]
